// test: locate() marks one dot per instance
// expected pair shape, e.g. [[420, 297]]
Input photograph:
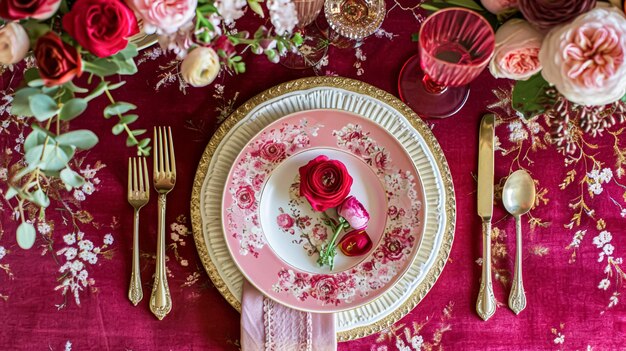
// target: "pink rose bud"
[[354, 213], [355, 243], [517, 51], [499, 6]]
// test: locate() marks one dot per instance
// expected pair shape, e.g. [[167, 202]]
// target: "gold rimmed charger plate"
[[444, 220]]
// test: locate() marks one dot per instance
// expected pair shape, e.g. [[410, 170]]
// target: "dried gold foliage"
[[571, 175]]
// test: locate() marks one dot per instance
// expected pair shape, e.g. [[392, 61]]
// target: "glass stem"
[[431, 86]]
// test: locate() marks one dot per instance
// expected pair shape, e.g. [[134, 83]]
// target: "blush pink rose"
[[499, 6], [324, 287], [273, 151], [517, 51], [585, 59], [353, 211], [164, 16], [245, 197]]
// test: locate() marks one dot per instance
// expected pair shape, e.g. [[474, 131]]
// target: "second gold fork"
[[138, 196]]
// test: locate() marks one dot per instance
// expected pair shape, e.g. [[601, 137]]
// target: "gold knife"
[[486, 304]]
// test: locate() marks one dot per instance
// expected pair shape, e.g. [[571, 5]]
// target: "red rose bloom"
[[325, 183], [58, 61], [21, 9], [101, 26]]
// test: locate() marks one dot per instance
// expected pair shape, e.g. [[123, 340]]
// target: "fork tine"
[[135, 175], [130, 176], [155, 158], [172, 157], [161, 164], [166, 165], [145, 177], [142, 189]]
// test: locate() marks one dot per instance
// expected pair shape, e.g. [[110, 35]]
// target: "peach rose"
[[13, 43], [164, 16], [200, 67], [517, 51], [499, 6], [585, 59]]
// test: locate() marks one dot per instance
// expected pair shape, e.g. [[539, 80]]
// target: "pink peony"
[[164, 16], [499, 6], [354, 213], [517, 51], [584, 59]]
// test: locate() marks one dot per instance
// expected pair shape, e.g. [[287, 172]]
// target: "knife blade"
[[486, 303]]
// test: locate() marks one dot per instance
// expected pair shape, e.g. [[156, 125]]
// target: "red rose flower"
[[245, 197], [272, 151], [324, 183], [355, 243], [393, 249], [101, 26], [58, 61], [21, 9]]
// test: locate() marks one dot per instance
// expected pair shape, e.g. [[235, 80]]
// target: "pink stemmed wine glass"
[[455, 45]]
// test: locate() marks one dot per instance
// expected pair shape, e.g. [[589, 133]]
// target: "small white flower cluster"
[[90, 182], [230, 10], [283, 15], [603, 241], [596, 178], [3, 252], [578, 237], [74, 269], [517, 132]]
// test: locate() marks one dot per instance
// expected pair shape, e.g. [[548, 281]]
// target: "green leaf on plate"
[[530, 97], [25, 235], [72, 109], [43, 107], [83, 139]]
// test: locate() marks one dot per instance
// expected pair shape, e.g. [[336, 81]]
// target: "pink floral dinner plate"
[[273, 234]]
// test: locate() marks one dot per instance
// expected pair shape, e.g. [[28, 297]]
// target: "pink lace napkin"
[[269, 326]]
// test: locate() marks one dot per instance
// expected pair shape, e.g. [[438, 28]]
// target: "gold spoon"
[[518, 197]]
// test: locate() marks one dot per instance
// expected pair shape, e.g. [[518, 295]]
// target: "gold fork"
[[164, 180], [138, 196]]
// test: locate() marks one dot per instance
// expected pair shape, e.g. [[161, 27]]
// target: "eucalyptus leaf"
[[128, 119], [73, 87], [83, 139], [118, 108], [118, 129], [21, 105], [116, 85], [43, 107], [25, 235], [126, 66], [31, 74], [33, 139], [40, 198], [99, 90], [101, 67], [71, 178], [130, 141], [129, 52], [72, 109], [51, 158], [11, 192], [144, 142], [137, 132]]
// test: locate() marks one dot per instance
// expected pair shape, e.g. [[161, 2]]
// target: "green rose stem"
[[328, 253]]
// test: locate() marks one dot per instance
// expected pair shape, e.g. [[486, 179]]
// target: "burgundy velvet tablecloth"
[[574, 240]]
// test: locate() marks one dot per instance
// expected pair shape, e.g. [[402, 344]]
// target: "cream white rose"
[[586, 59], [517, 51], [14, 43], [200, 67]]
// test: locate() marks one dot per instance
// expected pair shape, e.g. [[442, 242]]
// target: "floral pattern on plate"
[[245, 216]]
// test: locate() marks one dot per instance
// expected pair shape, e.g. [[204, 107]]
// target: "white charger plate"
[[367, 101]]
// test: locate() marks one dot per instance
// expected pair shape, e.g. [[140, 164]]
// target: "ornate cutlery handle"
[[160, 300], [517, 298], [135, 292], [486, 303]]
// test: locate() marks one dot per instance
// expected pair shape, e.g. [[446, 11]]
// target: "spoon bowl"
[[518, 195]]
